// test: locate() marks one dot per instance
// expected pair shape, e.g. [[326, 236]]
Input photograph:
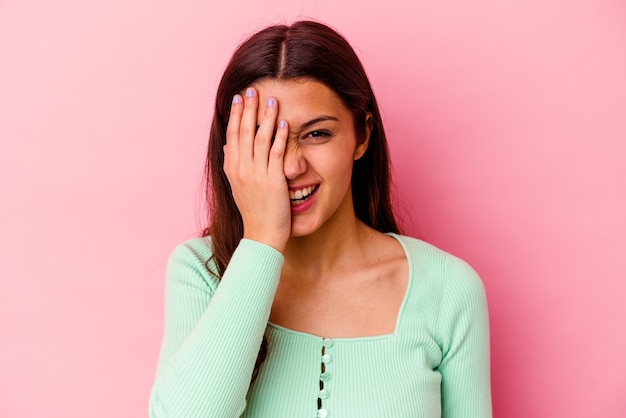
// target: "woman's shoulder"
[[191, 262], [192, 251], [443, 284], [429, 262], [197, 245]]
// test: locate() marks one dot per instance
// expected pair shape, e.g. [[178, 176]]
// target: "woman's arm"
[[463, 326], [209, 349], [213, 333]]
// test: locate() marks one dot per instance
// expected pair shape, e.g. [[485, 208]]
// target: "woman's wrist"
[[272, 240]]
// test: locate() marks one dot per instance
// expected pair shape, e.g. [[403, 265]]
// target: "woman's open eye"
[[317, 136]]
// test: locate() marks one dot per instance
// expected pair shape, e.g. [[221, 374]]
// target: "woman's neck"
[[331, 247]]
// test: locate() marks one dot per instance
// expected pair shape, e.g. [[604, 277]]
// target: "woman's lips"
[[303, 198]]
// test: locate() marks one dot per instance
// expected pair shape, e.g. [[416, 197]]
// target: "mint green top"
[[435, 363]]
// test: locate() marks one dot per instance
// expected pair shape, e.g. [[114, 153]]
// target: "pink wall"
[[507, 123]]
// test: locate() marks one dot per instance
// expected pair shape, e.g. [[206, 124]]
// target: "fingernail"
[[235, 99], [281, 124], [270, 102], [249, 92]]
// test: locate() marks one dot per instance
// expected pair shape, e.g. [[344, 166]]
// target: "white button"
[[322, 413], [326, 358], [325, 377], [328, 342], [324, 394]]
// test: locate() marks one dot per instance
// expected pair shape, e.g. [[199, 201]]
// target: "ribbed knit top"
[[435, 363]]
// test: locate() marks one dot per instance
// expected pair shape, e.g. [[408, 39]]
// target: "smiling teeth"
[[300, 195]]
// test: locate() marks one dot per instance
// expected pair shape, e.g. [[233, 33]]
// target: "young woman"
[[302, 299]]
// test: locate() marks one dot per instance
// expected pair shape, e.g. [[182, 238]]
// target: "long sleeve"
[[463, 326], [212, 333]]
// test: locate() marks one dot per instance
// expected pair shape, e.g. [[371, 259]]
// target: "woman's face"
[[321, 150]]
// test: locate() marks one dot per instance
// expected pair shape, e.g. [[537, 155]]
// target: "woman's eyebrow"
[[316, 120]]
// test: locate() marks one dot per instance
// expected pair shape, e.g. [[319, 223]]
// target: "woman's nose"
[[295, 163]]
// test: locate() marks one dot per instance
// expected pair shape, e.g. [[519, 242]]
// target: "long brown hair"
[[305, 49]]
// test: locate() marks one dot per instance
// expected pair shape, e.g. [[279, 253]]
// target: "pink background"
[[507, 123]]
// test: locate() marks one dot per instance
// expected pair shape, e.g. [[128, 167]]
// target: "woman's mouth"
[[299, 196]]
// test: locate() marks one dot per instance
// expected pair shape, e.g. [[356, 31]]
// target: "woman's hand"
[[254, 167]]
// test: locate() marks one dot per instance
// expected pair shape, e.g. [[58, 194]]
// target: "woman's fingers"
[[265, 133], [232, 130], [248, 148], [277, 152], [247, 128]]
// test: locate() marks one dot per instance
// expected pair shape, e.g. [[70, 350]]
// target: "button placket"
[[325, 376]]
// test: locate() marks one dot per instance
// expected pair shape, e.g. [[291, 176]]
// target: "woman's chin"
[[301, 229]]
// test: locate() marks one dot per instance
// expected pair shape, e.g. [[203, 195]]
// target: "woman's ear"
[[361, 147]]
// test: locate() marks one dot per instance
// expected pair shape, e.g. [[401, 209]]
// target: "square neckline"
[[400, 240]]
